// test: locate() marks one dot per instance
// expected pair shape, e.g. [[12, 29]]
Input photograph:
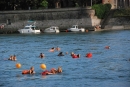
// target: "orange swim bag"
[[25, 72]]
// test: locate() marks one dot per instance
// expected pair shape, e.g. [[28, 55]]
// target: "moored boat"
[[29, 28], [52, 29], [75, 28]]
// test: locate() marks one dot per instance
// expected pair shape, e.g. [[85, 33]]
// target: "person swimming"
[[75, 55], [61, 54], [13, 58], [30, 71], [59, 70], [57, 48], [51, 72], [52, 49], [10, 58], [41, 55]]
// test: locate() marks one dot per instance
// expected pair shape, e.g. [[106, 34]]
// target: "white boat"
[[29, 28], [52, 29], [75, 28]]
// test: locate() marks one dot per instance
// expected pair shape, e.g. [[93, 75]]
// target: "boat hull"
[[51, 30], [26, 31], [76, 30]]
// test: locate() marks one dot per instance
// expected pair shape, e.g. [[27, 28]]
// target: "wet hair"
[[59, 70], [32, 68]]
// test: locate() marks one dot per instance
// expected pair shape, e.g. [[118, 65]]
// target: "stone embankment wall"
[[63, 18], [118, 23]]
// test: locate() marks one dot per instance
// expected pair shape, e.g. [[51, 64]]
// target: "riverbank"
[[63, 18], [121, 27]]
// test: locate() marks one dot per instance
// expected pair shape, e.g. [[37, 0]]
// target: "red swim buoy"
[[89, 55]]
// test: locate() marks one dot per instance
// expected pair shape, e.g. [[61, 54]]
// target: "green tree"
[[101, 10], [44, 3]]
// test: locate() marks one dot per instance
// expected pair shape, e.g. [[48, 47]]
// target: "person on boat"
[[59, 70], [41, 55], [52, 49], [57, 48], [30, 71], [61, 54]]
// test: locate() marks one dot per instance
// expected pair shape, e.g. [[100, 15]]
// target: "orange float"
[[18, 65], [43, 66], [89, 55]]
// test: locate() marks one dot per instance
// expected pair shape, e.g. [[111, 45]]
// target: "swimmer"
[[31, 71], [61, 54], [72, 53], [51, 72], [107, 47], [13, 58], [57, 48], [59, 70], [52, 49], [76, 56], [41, 55]]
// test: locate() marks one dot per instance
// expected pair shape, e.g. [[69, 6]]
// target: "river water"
[[106, 68]]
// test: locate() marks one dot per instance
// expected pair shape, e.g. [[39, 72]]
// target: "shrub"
[[44, 3], [101, 10], [122, 12]]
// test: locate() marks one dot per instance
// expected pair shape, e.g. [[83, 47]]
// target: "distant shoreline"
[[15, 31]]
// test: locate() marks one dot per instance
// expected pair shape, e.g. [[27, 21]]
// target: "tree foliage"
[[44, 3], [101, 10], [35, 4]]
